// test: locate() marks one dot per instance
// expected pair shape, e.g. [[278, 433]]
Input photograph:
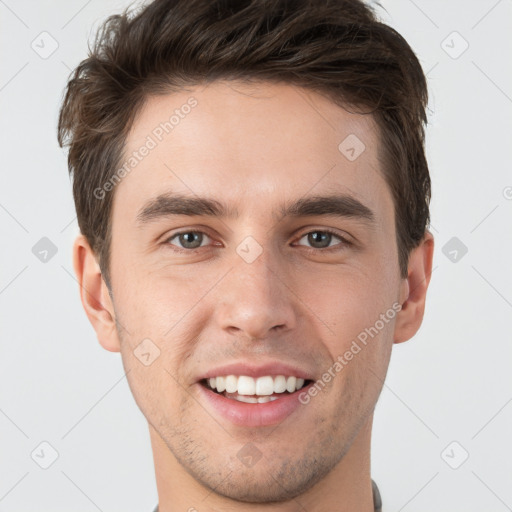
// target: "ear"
[[94, 294], [413, 290]]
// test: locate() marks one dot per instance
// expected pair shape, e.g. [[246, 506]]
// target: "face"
[[283, 283]]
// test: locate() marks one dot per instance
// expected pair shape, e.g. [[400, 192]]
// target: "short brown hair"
[[335, 47]]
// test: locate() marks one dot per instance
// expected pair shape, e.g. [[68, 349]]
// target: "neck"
[[347, 488]]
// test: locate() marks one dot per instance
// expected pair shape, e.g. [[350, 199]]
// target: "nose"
[[255, 299]]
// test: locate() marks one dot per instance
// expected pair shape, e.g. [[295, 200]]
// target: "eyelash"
[[344, 241]]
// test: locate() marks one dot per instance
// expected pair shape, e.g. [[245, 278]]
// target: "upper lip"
[[260, 370]]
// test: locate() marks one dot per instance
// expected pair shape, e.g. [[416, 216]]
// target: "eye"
[[321, 239], [188, 240]]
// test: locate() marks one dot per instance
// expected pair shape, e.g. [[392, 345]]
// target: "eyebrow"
[[338, 205]]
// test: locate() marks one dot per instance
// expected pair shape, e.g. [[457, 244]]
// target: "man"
[[253, 199]]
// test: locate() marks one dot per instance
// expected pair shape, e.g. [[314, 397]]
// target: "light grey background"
[[451, 383]]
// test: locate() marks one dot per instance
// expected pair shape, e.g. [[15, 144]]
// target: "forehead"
[[250, 145]]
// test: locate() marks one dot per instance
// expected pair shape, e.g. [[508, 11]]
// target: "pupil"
[[313, 238], [191, 242]]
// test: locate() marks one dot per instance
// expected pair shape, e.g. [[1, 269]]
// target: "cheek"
[[154, 302], [345, 301], [159, 315], [153, 373], [356, 317]]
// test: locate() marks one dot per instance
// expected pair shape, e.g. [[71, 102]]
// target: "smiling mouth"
[[255, 390]]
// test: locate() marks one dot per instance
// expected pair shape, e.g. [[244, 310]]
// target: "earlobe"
[[94, 294], [414, 290]]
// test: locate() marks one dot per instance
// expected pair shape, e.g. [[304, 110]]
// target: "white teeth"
[[262, 386], [280, 384], [247, 399], [246, 385], [221, 384], [290, 384], [254, 400], [231, 384]]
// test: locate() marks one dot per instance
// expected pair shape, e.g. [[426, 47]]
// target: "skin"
[[255, 147]]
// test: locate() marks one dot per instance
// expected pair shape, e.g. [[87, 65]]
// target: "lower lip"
[[252, 415]]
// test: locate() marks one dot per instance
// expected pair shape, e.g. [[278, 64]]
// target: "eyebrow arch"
[[167, 205], [338, 205]]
